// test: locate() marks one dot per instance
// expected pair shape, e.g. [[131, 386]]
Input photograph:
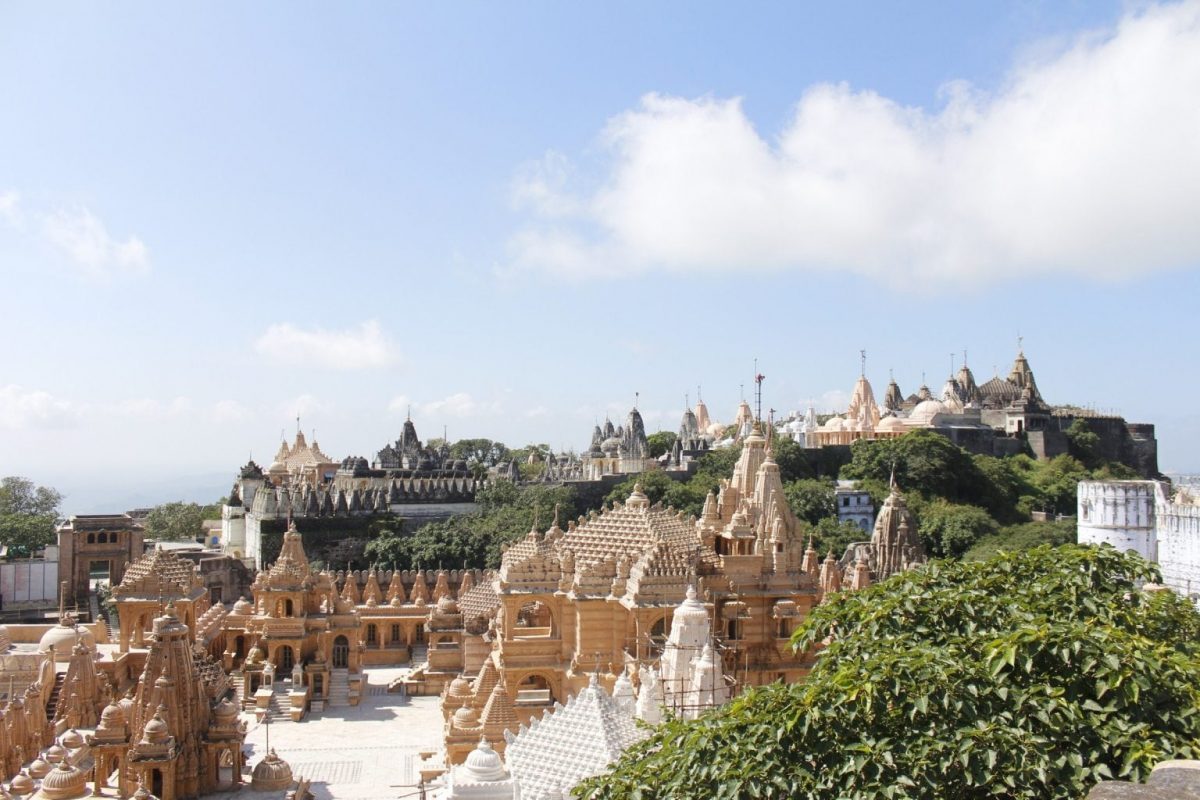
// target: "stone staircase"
[[339, 688], [420, 656], [52, 703], [239, 691], [277, 709]]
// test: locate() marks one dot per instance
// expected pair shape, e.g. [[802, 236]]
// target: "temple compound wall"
[[1147, 517]]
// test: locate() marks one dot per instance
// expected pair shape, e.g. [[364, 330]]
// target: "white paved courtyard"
[[361, 753]]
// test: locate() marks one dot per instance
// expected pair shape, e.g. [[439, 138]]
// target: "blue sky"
[[512, 217]]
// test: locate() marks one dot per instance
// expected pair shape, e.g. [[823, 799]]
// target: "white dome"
[[925, 411], [890, 424], [834, 424], [484, 764]]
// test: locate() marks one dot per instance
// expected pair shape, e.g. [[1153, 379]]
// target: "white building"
[[854, 505], [1144, 516], [1120, 513]]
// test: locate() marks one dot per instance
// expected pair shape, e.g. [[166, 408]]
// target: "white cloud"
[[1083, 162], [229, 411], [537, 412], [85, 240], [832, 401], [459, 404], [24, 409], [153, 408], [10, 207], [305, 405], [364, 347]]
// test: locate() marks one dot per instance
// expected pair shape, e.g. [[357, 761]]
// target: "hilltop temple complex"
[[1002, 416]]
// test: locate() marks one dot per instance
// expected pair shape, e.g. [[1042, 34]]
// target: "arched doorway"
[[239, 647], [156, 782], [285, 659], [341, 652]]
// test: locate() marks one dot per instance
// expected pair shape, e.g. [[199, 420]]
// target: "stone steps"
[[339, 688]]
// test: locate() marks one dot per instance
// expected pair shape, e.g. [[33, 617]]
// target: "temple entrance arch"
[[341, 652]]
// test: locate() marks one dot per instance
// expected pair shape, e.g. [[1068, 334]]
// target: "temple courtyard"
[[360, 753]]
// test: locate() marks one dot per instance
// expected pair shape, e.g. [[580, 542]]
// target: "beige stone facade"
[[597, 599]]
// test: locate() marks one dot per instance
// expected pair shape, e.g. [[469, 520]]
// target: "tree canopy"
[[507, 512], [179, 521], [28, 514], [1029, 675]]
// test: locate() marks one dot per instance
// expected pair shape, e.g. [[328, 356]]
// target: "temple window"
[[372, 634], [395, 633], [733, 630], [785, 628]]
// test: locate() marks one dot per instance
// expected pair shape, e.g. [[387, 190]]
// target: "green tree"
[[1025, 536], [949, 529], [830, 535], [178, 521], [28, 514], [811, 500], [475, 540], [1030, 675], [924, 462], [483, 452], [660, 443], [1082, 442], [655, 484], [792, 460]]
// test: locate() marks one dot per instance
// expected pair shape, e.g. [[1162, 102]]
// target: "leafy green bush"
[[1030, 675]]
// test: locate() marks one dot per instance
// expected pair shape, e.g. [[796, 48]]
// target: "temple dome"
[[466, 717], [446, 605], [834, 424], [271, 774], [925, 411], [39, 767], [64, 782], [22, 784], [460, 687], [691, 609], [72, 739], [56, 753], [63, 637], [225, 712], [484, 764], [156, 729], [890, 424], [242, 606]]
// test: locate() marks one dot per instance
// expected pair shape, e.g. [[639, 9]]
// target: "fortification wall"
[[1178, 527], [1119, 513]]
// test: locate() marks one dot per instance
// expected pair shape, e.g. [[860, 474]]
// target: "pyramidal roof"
[[573, 742], [159, 573]]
